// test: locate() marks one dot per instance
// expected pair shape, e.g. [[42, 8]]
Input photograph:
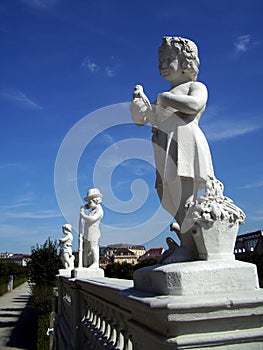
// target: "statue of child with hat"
[[91, 227]]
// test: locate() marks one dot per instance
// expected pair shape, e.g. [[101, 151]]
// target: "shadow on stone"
[[24, 335]]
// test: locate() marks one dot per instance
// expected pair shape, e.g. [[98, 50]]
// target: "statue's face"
[[169, 65], [92, 203]]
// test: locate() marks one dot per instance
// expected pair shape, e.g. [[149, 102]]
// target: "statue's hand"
[[138, 105], [82, 209], [138, 111]]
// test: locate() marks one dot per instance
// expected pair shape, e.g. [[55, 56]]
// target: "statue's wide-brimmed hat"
[[67, 227], [93, 193]]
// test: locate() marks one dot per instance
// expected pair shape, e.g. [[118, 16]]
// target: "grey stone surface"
[[197, 278], [17, 320]]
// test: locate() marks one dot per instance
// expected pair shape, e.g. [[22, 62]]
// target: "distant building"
[[20, 259], [120, 253], [249, 242], [153, 253]]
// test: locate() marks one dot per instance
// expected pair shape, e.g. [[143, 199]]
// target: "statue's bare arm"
[[190, 103]]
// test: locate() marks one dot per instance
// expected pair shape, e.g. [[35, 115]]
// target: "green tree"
[[146, 262], [8, 268], [44, 264], [117, 270]]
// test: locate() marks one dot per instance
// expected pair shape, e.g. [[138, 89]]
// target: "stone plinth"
[[86, 272], [231, 321], [65, 272], [197, 278]]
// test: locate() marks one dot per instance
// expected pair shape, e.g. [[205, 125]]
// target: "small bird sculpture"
[[138, 93]]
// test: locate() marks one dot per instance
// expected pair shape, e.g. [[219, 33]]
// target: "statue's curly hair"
[[187, 52]]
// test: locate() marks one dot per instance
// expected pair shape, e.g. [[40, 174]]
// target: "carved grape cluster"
[[213, 206]]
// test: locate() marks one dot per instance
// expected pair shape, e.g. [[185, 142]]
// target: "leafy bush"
[[42, 269], [117, 270], [42, 338], [8, 268], [125, 270], [146, 262], [44, 264], [43, 298]]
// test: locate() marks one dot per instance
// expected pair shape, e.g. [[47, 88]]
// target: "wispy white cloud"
[[257, 217], [41, 214], [113, 67], [9, 165], [139, 168], [253, 185], [109, 70], [26, 200], [242, 43], [245, 43], [41, 4], [19, 238], [21, 99], [228, 129], [14, 205], [107, 138], [90, 65]]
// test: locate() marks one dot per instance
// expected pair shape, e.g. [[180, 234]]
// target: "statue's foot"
[[94, 266], [176, 253], [175, 227]]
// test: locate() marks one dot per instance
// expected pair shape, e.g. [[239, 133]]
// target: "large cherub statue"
[[182, 155]]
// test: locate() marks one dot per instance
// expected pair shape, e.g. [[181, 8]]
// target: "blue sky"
[[68, 69]]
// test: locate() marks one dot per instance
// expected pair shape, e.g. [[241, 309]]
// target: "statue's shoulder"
[[198, 88], [198, 85]]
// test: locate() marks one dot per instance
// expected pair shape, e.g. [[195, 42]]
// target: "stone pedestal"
[[197, 278], [65, 272], [231, 321], [199, 305], [86, 272]]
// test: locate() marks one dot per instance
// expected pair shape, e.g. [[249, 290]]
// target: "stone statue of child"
[[66, 247], [91, 228], [182, 155]]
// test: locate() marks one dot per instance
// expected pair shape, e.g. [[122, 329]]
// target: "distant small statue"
[[66, 247], [88, 242], [182, 155]]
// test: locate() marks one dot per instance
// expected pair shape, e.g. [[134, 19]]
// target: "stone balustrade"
[[105, 313], [90, 315]]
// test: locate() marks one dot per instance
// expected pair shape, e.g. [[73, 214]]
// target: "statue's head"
[[93, 196], [186, 52], [66, 228]]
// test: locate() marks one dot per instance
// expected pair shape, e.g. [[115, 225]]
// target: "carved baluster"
[[112, 334], [127, 341], [120, 339]]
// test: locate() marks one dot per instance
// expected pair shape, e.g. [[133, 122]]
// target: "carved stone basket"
[[215, 221], [216, 241]]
